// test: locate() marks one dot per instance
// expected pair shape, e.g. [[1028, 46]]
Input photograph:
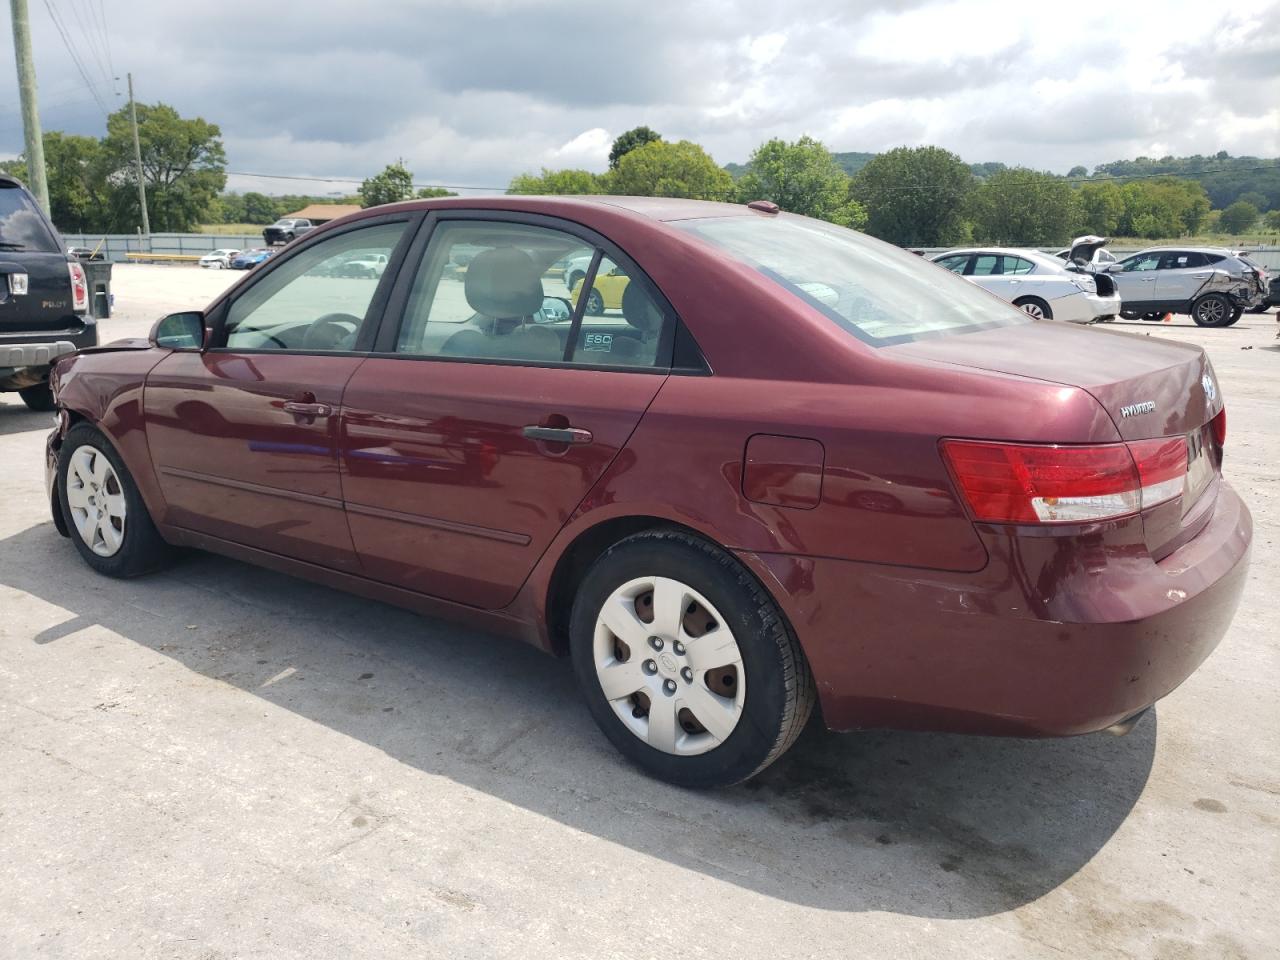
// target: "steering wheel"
[[333, 331]]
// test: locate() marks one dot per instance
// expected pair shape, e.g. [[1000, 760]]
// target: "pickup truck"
[[44, 297], [282, 231]]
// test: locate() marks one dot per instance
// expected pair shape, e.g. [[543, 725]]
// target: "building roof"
[[322, 212]]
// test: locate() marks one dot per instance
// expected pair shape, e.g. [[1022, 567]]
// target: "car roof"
[[1004, 251], [652, 208], [1184, 249]]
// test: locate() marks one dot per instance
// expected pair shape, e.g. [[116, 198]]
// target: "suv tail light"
[[79, 288], [1219, 427], [1031, 483]]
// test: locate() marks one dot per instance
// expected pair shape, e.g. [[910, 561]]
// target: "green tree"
[[1239, 217], [1023, 207], [183, 165], [1101, 206], [1076, 172], [1257, 199], [1272, 221], [393, 184], [801, 177], [661, 169], [624, 144], [556, 182], [79, 192], [431, 193], [259, 208], [915, 195]]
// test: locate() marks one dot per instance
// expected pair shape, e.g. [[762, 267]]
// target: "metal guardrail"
[[116, 247]]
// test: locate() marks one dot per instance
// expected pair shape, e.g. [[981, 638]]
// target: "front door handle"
[[558, 434], [300, 409]]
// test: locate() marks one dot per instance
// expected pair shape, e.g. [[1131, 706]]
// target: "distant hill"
[[1225, 178], [854, 161]]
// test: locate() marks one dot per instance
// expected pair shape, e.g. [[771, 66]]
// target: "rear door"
[[35, 285], [475, 430], [1181, 275], [987, 270], [244, 436]]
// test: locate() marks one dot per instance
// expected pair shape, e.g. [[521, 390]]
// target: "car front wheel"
[[110, 525], [686, 663]]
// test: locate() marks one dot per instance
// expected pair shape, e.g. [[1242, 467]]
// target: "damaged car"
[[1213, 285], [1038, 284]]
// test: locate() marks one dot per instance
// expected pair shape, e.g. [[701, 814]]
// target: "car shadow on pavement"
[[928, 825], [16, 418]]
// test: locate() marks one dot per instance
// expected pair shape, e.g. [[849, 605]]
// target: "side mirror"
[[555, 310], [179, 331], [1115, 267]]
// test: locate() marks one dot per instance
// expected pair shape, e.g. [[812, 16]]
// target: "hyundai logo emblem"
[[1210, 388]]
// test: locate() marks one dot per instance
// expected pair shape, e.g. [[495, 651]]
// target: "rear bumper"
[[26, 357], [1085, 307], [1040, 643], [1103, 308]]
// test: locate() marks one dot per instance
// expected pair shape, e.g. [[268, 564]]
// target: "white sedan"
[[218, 259], [1042, 285]]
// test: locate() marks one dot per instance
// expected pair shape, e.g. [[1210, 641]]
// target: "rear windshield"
[[879, 293], [21, 225]]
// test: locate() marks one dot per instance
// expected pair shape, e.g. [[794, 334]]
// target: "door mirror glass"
[[179, 331], [555, 310]]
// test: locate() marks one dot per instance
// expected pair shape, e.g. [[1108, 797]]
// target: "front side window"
[[879, 293], [317, 300], [1142, 264], [515, 292]]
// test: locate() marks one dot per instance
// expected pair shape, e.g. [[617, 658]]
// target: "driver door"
[[243, 435], [1137, 281]]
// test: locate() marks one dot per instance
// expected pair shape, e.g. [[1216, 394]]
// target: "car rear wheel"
[[686, 663], [1034, 307], [1212, 310], [110, 525], [38, 398], [1236, 314]]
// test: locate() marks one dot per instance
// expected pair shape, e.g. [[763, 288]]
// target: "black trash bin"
[[98, 273]]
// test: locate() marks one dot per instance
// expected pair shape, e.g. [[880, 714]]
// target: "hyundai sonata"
[[785, 466]]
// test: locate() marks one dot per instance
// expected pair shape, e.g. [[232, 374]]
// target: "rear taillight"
[[1219, 427], [1031, 483], [79, 288]]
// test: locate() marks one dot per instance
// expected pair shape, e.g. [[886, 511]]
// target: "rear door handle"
[[300, 409], [558, 434]]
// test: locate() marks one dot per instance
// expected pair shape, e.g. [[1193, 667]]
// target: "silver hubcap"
[[1212, 310], [96, 499], [669, 666], [1031, 310]]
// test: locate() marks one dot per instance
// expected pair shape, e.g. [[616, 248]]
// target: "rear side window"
[[986, 264], [877, 292], [22, 226], [516, 292], [1016, 265]]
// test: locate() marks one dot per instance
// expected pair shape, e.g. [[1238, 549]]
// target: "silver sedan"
[[1040, 284]]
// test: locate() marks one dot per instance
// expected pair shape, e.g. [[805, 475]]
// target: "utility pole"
[[137, 161], [30, 111]]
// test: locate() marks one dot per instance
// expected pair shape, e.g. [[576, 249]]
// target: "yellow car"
[[606, 294]]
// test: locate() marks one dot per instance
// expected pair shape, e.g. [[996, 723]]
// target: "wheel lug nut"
[[687, 674], [650, 667], [669, 686], [655, 642], [678, 647]]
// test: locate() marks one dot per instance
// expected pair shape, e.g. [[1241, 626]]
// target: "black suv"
[[44, 297]]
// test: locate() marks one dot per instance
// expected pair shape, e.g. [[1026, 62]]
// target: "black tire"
[[595, 303], [1046, 312], [142, 550], [1260, 308], [1236, 314], [1212, 310], [38, 398], [780, 691]]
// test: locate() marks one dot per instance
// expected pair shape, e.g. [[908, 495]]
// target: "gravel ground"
[[217, 761]]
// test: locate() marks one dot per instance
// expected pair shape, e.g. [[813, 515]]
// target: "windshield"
[[879, 293], [21, 226]]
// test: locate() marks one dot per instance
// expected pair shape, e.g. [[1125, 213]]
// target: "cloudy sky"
[[473, 93]]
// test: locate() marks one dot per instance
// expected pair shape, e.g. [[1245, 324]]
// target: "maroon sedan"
[[779, 464]]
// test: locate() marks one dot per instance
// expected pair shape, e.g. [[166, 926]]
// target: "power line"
[[416, 186], [75, 59]]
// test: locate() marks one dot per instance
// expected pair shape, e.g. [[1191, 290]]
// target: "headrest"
[[638, 309], [504, 283]]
